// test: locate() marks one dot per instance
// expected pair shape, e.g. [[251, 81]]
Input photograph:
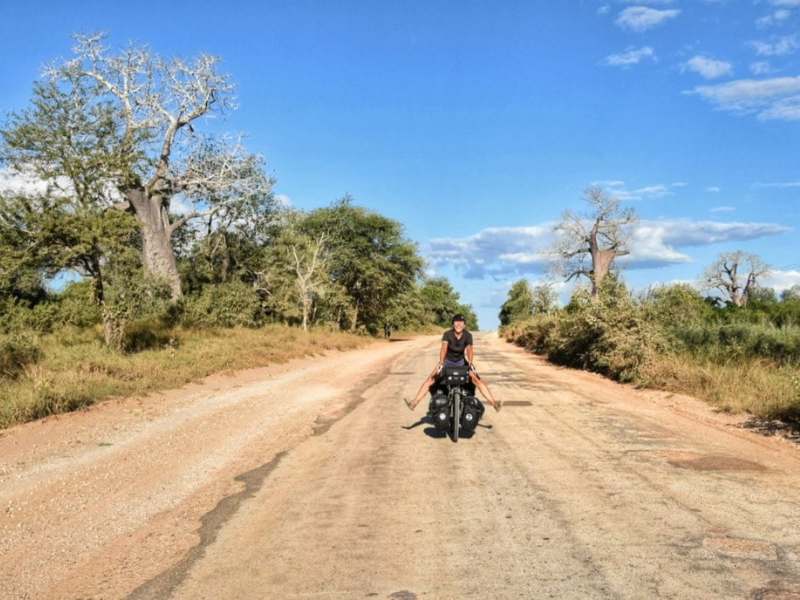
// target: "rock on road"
[[313, 480]]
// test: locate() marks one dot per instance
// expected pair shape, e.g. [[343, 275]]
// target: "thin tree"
[[544, 298], [735, 275], [587, 245], [308, 265]]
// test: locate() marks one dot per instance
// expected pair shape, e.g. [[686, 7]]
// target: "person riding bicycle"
[[456, 351]]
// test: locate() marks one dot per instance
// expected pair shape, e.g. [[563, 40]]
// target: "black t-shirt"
[[455, 345]]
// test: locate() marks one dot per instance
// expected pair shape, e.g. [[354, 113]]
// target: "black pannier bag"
[[471, 413], [455, 375]]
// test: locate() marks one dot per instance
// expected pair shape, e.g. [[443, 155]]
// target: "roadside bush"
[[74, 306], [19, 317], [610, 335], [725, 341], [673, 339], [226, 305], [77, 306], [676, 306], [16, 352], [146, 334]]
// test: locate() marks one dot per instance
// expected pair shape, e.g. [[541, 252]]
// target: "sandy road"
[[309, 481]]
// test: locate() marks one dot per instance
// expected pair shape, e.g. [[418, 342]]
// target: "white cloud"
[[786, 109], [502, 251], [181, 205], [781, 280], [603, 9], [789, 3], [780, 184], [713, 189], [779, 46], [618, 189], [708, 67], [612, 183], [722, 209], [28, 184], [283, 200], [774, 18], [679, 184], [631, 56], [642, 18], [776, 98], [761, 67]]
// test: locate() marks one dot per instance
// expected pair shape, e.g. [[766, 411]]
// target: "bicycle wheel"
[[456, 415]]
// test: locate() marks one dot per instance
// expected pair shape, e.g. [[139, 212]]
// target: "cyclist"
[[456, 351]]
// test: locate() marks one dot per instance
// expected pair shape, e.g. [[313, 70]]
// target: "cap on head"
[[458, 317]]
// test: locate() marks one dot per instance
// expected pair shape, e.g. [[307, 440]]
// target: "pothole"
[[403, 595]]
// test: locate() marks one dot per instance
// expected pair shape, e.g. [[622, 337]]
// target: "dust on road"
[[314, 481]]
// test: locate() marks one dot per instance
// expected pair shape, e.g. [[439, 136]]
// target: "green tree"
[[518, 305], [47, 234], [369, 257], [443, 301]]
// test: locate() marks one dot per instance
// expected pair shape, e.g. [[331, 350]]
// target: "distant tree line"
[[138, 217]]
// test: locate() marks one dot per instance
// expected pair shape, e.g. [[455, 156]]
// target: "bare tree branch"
[[725, 275], [599, 237]]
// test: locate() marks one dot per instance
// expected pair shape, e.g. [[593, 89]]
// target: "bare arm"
[[442, 353], [470, 352]]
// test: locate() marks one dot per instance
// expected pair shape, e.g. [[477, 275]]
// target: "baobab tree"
[[587, 245], [735, 275], [138, 114]]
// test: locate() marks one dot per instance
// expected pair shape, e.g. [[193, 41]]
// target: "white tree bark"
[[735, 275], [598, 238], [307, 267], [160, 100]]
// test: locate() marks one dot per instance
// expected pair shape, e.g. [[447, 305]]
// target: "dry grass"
[[426, 330], [758, 387], [733, 381], [77, 370]]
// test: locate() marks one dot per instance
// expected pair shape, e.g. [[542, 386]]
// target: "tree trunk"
[[305, 312], [355, 318], [113, 329], [738, 298], [601, 263], [157, 253], [225, 267]]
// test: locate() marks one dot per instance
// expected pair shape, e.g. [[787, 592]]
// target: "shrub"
[[77, 306], [676, 306], [19, 317], [742, 340], [16, 352], [674, 340], [611, 335], [226, 305], [146, 334]]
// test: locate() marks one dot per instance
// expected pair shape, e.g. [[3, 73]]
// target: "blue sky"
[[477, 123]]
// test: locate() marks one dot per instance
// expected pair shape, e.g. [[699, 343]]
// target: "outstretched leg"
[[484, 389], [423, 389]]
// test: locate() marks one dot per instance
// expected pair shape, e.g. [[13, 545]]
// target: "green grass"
[[75, 369]]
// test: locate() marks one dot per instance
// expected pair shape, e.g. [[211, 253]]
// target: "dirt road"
[[309, 481]]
